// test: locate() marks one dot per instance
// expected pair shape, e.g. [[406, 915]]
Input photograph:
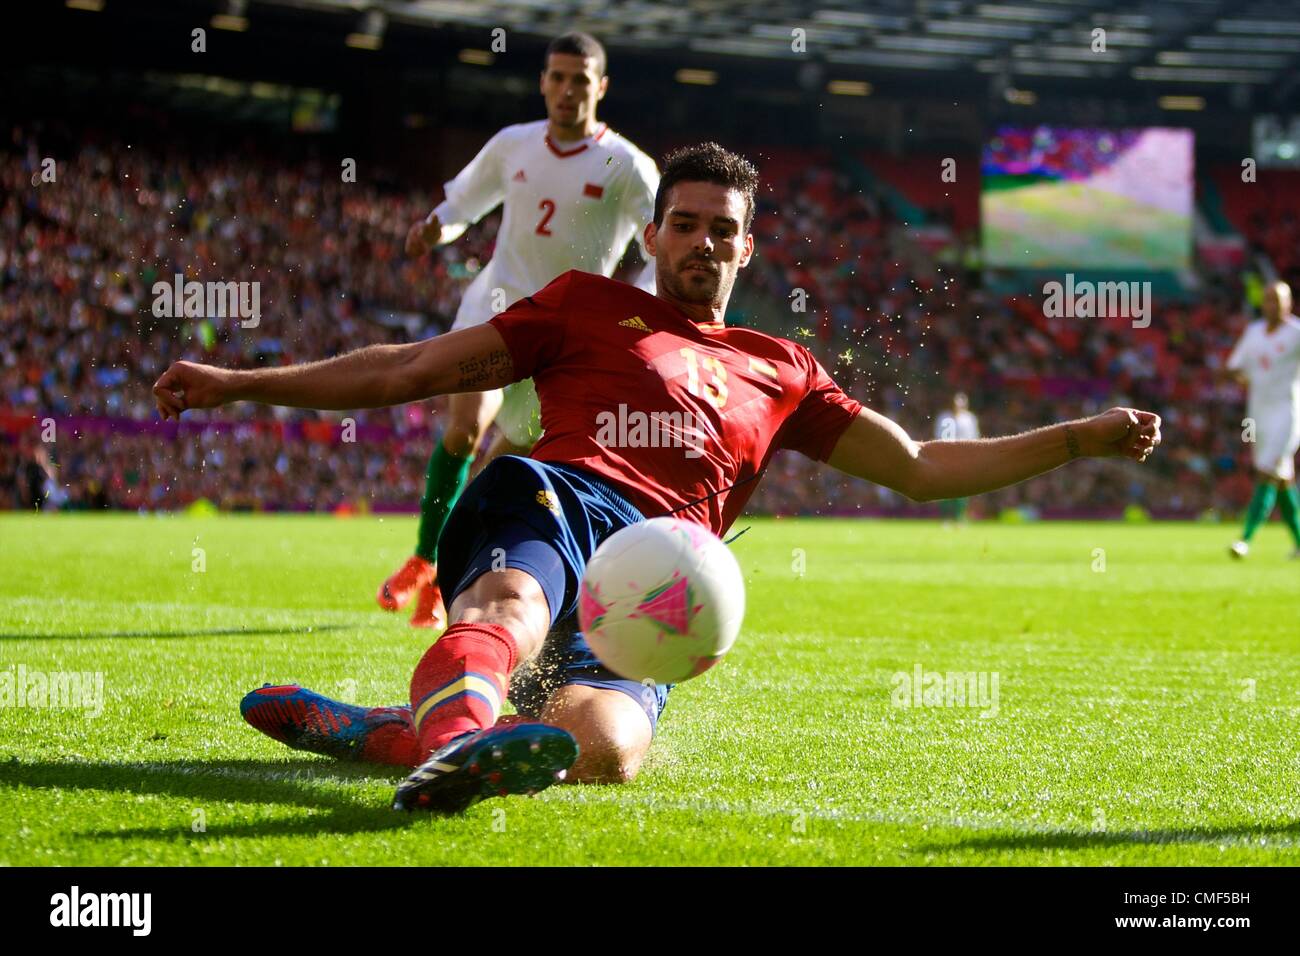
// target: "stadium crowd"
[[80, 345]]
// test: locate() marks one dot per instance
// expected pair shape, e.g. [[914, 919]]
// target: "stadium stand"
[[898, 327]]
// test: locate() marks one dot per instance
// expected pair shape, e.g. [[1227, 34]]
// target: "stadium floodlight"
[[1191, 103], [232, 16], [369, 34], [697, 77], [848, 88]]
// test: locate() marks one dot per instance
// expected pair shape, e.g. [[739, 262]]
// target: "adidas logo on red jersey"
[[636, 323]]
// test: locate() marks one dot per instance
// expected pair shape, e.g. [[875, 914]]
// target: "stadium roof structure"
[[1189, 42], [884, 74]]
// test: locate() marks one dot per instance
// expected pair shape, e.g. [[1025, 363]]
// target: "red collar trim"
[[565, 153]]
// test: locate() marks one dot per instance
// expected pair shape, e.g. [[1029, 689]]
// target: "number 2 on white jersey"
[[548, 205]]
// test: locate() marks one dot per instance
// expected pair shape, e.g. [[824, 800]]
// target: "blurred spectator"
[[79, 342]]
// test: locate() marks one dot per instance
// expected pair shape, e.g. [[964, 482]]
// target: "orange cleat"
[[429, 610], [397, 591]]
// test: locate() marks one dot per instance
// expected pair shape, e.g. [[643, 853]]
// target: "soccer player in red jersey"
[[515, 545]]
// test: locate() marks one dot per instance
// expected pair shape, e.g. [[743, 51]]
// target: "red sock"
[[460, 683]]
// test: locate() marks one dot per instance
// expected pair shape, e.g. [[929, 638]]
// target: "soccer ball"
[[661, 600]]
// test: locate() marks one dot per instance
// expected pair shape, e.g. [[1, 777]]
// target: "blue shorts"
[[545, 519]]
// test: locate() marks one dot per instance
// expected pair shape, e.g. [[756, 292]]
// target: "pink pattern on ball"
[[671, 607], [589, 609], [699, 535]]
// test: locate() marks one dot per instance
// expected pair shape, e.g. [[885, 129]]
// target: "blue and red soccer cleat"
[[518, 758], [305, 720]]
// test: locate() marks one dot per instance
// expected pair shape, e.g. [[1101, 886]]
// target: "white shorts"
[[1277, 438], [520, 417], [484, 298], [475, 305]]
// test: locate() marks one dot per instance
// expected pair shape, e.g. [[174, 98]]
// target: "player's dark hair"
[[707, 163], [578, 44]]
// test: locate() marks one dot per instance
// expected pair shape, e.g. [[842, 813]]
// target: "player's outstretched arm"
[[875, 448], [1231, 375], [469, 360]]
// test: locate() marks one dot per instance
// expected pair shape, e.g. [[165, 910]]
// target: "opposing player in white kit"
[[574, 194], [1267, 361], [956, 424]]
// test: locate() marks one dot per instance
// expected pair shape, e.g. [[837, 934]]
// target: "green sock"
[[1290, 502], [443, 484], [1261, 506]]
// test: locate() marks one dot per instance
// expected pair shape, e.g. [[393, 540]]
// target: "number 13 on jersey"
[[715, 389]]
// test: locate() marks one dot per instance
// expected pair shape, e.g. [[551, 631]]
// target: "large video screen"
[[1063, 198]]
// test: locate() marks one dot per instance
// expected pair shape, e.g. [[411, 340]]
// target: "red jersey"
[[679, 416]]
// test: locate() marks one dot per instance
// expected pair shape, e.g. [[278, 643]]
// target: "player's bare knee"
[[610, 728], [607, 763], [609, 753]]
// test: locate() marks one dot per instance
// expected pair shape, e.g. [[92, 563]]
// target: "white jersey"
[[1271, 364], [566, 206], [961, 426]]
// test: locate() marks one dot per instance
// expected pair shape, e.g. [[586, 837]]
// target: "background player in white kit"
[[575, 193], [956, 424], [1267, 361]]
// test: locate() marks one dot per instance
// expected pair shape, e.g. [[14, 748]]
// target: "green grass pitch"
[[1148, 702]]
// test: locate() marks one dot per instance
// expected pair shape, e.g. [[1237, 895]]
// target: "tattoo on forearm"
[[1071, 442], [481, 372]]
